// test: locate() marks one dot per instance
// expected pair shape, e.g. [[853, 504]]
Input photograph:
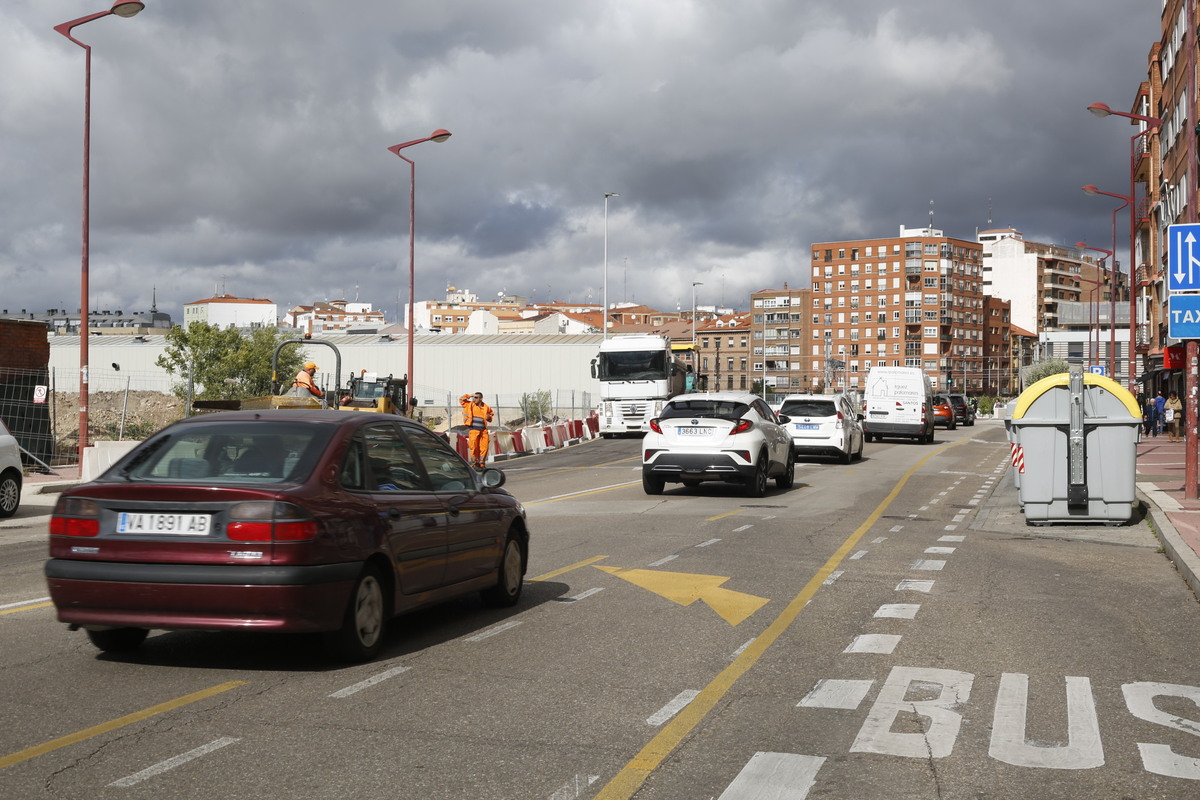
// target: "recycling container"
[[1079, 433]]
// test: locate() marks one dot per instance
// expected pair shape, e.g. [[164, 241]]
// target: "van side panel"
[[898, 402]]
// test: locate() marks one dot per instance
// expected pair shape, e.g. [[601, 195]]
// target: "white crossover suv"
[[717, 436], [10, 473]]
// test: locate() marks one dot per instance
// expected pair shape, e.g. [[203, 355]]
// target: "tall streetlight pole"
[[604, 291], [1096, 284], [1127, 201], [440, 135], [121, 8], [695, 360]]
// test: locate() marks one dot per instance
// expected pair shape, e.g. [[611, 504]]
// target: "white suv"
[[10, 473], [824, 424], [717, 436]]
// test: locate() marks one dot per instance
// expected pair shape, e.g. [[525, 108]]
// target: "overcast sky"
[[240, 145]]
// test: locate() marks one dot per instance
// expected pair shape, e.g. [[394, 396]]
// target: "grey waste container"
[[1078, 435]]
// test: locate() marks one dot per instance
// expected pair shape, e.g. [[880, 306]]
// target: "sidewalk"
[[1160, 480]]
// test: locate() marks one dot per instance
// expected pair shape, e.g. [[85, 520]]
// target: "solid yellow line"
[[726, 514], [558, 572], [25, 608], [626, 782], [120, 722]]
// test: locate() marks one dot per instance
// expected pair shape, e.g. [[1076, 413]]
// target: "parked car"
[[720, 436], [824, 424], [943, 412], [964, 414], [291, 520], [10, 473]]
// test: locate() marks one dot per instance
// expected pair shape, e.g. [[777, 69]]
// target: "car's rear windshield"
[[227, 452], [808, 408], [709, 409]]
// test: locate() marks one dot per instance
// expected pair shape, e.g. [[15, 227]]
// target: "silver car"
[[717, 436], [824, 424], [10, 473]]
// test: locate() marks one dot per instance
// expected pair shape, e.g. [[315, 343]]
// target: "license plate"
[[692, 431], [180, 524], [808, 427]]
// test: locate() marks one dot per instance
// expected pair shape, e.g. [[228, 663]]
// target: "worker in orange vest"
[[305, 378], [476, 416]]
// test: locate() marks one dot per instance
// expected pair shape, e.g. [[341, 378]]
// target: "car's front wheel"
[[118, 640], [756, 486], [511, 579], [788, 478], [361, 636], [10, 495]]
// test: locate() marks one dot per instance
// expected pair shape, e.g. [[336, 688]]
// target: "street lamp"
[[695, 361], [1096, 284], [121, 8], [440, 135], [1127, 202], [604, 292]]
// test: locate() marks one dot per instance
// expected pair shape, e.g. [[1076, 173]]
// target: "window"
[[447, 472]]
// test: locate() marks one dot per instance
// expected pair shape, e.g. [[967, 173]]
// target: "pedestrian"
[[1149, 416], [1160, 405], [1172, 415], [304, 378], [476, 416]]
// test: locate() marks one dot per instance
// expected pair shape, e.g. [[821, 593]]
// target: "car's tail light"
[[654, 426], [840, 417], [742, 426], [265, 521], [75, 516]]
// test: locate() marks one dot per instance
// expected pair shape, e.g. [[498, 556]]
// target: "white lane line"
[[770, 516], [25, 602], [743, 528], [858, 555], [833, 576], [501, 628], [879, 540], [897, 611], [952, 538], [939, 551], [829, 693], [662, 561], [171, 763], [588, 593], [575, 494], [896, 529], [575, 787], [357, 687], [672, 708], [706, 544], [950, 528], [774, 776], [741, 650], [908, 585], [883, 643], [928, 564]]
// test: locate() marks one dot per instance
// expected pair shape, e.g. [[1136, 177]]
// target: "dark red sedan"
[[317, 521]]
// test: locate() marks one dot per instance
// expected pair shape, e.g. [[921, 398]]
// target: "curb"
[[1177, 550]]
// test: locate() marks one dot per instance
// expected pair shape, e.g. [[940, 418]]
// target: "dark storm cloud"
[[243, 144]]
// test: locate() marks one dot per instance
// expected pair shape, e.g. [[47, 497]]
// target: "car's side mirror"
[[493, 478], [784, 419]]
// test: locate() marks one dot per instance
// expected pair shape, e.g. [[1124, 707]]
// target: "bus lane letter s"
[[1160, 758], [952, 689]]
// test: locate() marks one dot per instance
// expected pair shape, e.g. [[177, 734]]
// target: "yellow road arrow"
[[685, 588]]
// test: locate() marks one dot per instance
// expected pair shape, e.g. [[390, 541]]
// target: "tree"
[[225, 364], [1044, 369], [536, 407]]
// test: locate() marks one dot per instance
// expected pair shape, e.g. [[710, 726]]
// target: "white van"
[[898, 402]]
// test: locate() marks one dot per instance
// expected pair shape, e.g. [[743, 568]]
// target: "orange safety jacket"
[[305, 380], [475, 415]]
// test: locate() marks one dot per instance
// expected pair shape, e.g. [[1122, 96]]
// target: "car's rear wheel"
[[859, 454], [788, 478], [756, 486], [952, 425], [511, 579], [652, 485], [118, 640], [10, 495], [844, 456], [361, 635]]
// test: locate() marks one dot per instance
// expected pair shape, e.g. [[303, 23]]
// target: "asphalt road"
[[888, 629]]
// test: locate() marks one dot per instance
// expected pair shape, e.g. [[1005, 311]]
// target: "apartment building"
[[724, 352], [911, 300], [999, 376], [779, 333]]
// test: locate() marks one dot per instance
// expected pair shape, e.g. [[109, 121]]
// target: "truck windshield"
[[638, 365]]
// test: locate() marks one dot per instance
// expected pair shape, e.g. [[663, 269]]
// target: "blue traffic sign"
[[1183, 258], [1183, 316], [1098, 369]]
